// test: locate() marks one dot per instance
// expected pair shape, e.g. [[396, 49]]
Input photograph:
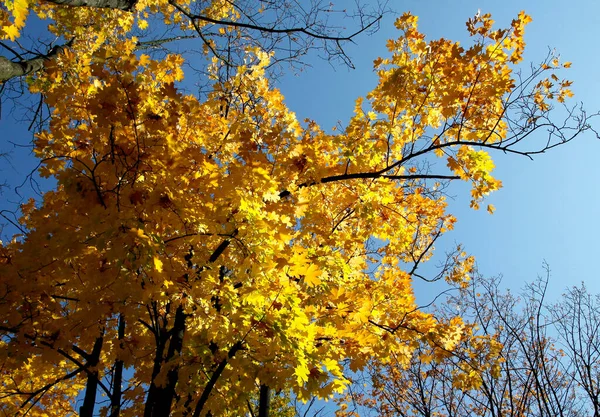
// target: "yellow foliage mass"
[[286, 249]]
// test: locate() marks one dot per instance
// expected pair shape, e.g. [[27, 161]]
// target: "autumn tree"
[[198, 30], [548, 363], [198, 251]]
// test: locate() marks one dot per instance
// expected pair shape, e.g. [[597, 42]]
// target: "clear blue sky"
[[548, 208]]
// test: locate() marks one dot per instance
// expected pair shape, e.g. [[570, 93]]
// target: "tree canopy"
[[198, 247]]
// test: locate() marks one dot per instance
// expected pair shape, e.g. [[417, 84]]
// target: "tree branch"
[[214, 378], [273, 29], [126, 5], [10, 69], [371, 175]]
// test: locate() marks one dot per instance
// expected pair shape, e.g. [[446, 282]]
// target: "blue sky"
[[548, 208]]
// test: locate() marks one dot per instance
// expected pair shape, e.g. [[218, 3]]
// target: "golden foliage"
[[283, 247]]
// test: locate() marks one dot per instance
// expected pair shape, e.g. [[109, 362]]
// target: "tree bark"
[[214, 378], [125, 5], [165, 395], [264, 401], [115, 401], [161, 337], [10, 69], [89, 400]]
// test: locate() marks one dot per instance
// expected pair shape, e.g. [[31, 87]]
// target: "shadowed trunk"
[[214, 378], [89, 401], [264, 401], [165, 395], [115, 401]]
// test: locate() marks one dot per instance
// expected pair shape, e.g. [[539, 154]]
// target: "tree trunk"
[[264, 401], [115, 401], [10, 69], [161, 337], [214, 378], [89, 401], [165, 395], [102, 4]]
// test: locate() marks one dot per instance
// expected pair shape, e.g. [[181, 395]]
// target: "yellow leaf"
[[144, 59], [302, 373], [11, 32], [158, 265], [311, 275]]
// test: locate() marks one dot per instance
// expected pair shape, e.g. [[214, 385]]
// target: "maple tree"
[[195, 29], [198, 251], [220, 28], [548, 365]]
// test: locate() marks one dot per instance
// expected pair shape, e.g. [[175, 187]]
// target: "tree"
[[196, 249], [225, 29], [577, 318], [197, 30], [548, 363]]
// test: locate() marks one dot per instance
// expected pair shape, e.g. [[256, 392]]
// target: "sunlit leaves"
[[289, 251], [13, 14]]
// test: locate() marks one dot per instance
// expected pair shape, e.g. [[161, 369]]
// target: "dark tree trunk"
[[165, 395], [161, 338], [89, 400], [264, 401], [214, 378], [115, 401]]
